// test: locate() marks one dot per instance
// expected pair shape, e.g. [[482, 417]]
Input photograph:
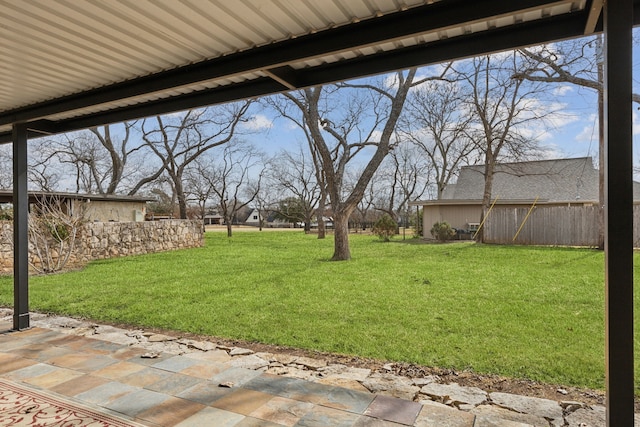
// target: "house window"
[[255, 217]]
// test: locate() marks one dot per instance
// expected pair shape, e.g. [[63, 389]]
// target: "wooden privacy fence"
[[547, 225]]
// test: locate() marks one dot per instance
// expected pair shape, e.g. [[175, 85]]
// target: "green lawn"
[[525, 312]]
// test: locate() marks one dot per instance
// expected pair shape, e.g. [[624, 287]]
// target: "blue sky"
[[574, 131]]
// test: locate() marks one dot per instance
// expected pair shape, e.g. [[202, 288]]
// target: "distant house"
[[560, 182], [274, 220], [99, 208], [213, 219], [328, 222], [270, 219], [254, 218]]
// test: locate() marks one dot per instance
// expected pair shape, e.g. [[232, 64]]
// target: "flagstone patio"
[[162, 385], [182, 390]]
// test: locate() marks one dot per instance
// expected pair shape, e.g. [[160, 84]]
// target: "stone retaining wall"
[[6, 247], [100, 240]]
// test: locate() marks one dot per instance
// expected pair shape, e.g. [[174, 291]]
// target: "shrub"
[[442, 231], [52, 235], [385, 228], [6, 214]]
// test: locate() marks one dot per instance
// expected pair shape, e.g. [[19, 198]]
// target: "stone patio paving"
[[210, 387]]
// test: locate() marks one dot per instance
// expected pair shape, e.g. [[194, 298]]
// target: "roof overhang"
[[64, 69], [35, 196], [473, 202]]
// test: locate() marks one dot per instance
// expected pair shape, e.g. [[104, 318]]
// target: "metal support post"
[[618, 15], [20, 229]]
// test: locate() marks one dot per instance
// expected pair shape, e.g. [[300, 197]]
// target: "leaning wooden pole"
[[485, 218], [525, 219]]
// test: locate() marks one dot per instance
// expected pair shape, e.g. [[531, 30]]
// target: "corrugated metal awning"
[[71, 64]]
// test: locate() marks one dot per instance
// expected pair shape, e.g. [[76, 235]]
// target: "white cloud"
[[563, 118], [391, 81], [259, 122], [376, 135], [555, 118], [589, 132], [552, 151], [562, 90], [290, 126]]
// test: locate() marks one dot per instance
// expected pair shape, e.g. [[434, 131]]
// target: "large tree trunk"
[[182, 200], [486, 196], [229, 232], [341, 237], [307, 223]]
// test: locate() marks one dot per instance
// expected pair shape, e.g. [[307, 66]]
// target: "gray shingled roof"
[[549, 180]]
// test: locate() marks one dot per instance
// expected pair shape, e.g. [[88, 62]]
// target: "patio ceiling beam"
[[286, 75], [520, 35], [595, 16], [251, 89], [42, 127]]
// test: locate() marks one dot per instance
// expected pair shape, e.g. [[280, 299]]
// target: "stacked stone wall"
[[100, 240], [6, 247]]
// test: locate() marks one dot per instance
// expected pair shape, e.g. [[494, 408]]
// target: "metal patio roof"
[[72, 64]]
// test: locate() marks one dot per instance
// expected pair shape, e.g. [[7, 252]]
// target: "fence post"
[[485, 218], [524, 221]]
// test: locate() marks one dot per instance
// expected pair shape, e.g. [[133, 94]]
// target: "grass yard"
[[522, 312]]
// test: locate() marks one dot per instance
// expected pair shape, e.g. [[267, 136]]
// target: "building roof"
[[6, 196], [559, 180], [70, 65]]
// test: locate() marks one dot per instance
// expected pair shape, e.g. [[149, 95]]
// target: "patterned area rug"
[[20, 406]]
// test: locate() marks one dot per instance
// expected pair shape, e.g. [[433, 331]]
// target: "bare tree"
[[578, 62], [292, 112], [164, 202], [502, 109], [53, 229], [405, 176], [345, 122], [117, 157], [265, 197], [6, 167], [80, 156], [364, 212], [295, 176], [179, 139], [97, 160], [117, 173], [435, 122], [233, 179], [45, 170], [199, 189]]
